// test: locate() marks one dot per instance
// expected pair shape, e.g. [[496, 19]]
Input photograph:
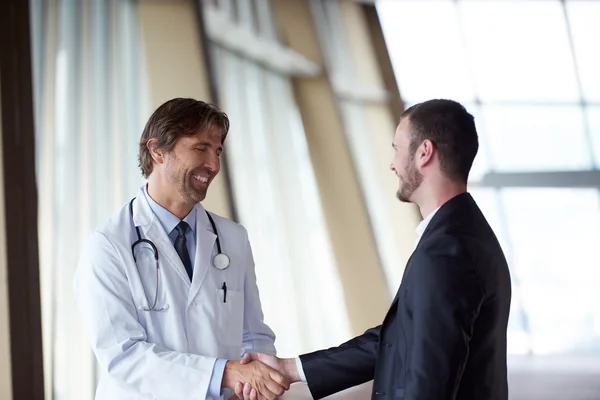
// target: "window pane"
[[284, 220], [532, 138], [593, 120], [514, 61], [583, 18], [554, 235], [518, 338], [488, 200], [426, 49]]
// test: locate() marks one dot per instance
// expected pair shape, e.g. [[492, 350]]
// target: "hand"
[[286, 366], [266, 382]]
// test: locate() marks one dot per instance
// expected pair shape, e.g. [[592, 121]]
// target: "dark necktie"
[[181, 247]]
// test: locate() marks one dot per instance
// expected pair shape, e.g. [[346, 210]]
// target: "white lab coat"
[[166, 354]]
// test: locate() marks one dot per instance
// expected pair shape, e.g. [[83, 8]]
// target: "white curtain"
[[276, 194], [88, 86]]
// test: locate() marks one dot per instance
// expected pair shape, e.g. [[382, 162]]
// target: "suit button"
[[387, 345], [379, 393]]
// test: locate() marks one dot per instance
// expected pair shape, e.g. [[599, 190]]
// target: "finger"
[[269, 388], [280, 379], [246, 359], [253, 394], [262, 392], [238, 389], [247, 390], [273, 387]]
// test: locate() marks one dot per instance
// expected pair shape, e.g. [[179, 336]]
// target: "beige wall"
[[5, 366], [356, 255], [380, 117], [175, 67]]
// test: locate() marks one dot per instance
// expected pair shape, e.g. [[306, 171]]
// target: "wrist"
[[291, 370], [230, 375]]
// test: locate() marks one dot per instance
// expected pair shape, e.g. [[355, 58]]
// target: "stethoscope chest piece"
[[221, 261]]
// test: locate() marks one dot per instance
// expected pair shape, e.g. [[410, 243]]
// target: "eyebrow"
[[209, 144]]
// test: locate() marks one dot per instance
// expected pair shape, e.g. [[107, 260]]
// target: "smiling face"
[[192, 164], [403, 163]]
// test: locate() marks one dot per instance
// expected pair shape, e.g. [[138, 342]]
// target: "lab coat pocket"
[[230, 317]]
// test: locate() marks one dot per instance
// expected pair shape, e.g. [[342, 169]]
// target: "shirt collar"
[[423, 225], [168, 220]]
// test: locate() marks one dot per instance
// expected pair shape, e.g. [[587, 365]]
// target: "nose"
[[212, 162], [392, 167]]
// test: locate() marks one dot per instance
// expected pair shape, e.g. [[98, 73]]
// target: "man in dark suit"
[[444, 336]]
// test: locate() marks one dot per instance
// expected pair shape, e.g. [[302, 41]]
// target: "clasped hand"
[[277, 375]]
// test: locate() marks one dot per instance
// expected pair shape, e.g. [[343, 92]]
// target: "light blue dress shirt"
[[169, 222]]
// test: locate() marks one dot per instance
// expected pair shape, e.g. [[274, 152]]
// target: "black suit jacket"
[[444, 336]]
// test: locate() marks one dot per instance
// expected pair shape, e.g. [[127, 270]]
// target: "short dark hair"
[[451, 129], [177, 118]]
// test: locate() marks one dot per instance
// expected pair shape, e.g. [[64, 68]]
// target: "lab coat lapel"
[[153, 230], [205, 241]]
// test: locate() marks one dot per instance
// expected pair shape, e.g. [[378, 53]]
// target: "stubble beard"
[[410, 182], [181, 180]]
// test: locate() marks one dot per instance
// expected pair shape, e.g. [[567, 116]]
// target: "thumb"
[[246, 359]]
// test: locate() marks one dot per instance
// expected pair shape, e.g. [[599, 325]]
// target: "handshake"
[[259, 376]]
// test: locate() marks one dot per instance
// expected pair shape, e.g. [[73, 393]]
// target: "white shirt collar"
[[423, 225]]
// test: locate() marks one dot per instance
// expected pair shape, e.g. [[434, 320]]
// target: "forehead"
[[210, 136]]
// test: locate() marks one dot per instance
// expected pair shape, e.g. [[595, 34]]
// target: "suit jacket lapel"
[[441, 216]]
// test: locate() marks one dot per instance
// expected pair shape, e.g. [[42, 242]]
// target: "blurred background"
[[313, 89]]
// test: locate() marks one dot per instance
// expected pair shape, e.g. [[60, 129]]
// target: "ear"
[[157, 154], [425, 153]]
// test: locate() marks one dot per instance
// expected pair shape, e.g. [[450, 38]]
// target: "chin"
[[200, 196], [193, 196], [402, 196]]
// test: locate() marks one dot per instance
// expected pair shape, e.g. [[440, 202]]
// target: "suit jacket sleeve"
[[338, 368], [445, 296]]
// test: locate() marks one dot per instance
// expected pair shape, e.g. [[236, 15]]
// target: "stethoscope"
[[220, 261]]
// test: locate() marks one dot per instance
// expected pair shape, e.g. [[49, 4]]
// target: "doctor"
[[166, 289]]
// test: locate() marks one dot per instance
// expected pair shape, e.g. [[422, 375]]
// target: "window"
[[535, 94]]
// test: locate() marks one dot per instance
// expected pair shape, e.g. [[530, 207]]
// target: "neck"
[[435, 195], [167, 198]]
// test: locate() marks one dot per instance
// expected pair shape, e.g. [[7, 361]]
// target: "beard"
[[409, 182], [181, 179]]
